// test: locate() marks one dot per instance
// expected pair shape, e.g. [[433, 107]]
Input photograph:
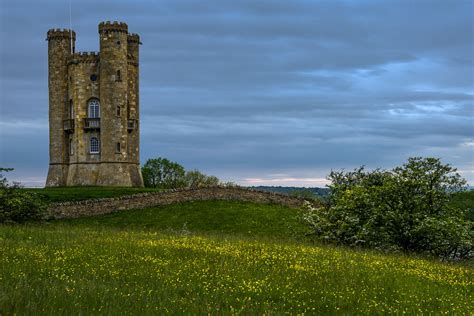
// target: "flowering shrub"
[[17, 205], [403, 209]]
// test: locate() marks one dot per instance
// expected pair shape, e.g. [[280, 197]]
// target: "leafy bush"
[[17, 205], [405, 209]]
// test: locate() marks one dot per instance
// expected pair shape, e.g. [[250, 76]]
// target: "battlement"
[[84, 57], [60, 34], [114, 26], [133, 38]]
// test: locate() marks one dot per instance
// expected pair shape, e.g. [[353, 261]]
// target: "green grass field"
[[212, 257]]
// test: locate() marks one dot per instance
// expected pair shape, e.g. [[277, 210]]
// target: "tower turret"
[[133, 110], [61, 44], [113, 77]]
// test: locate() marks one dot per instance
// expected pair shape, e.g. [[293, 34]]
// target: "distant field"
[[229, 258]]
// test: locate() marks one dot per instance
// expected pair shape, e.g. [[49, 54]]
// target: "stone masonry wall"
[[75, 79], [149, 199]]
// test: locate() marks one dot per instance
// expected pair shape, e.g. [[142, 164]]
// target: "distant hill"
[[321, 192]]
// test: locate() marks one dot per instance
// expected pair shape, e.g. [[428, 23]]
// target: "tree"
[[406, 208], [163, 173]]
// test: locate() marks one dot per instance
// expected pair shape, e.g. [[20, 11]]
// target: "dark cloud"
[[263, 89]]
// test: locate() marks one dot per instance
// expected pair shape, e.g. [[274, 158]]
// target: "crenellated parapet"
[[84, 57], [60, 34], [133, 38], [114, 26]]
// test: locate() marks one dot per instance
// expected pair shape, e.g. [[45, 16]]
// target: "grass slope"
[[64, 270], [216, 217], [142, 262]]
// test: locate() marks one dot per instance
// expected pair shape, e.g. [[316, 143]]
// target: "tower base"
[[114, 174], [57, 175], [119, 174]]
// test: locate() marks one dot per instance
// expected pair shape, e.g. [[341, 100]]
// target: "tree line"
[[166, 174]]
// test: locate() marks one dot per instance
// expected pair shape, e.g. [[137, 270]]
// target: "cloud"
[[244, 89]]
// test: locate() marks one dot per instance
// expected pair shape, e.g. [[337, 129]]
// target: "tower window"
[[71, 147], [94, 146], [118, 76], [118, 43], [71, 110], [117, 110], [117, 148], [93, 77], [94, 109]]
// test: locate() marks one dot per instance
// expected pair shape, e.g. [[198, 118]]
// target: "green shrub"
[[405, 209], [17, 205]]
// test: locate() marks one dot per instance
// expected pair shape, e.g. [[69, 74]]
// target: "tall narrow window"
[[71, 147], [118, 76], [94, 147], [117, 148], [94, 109], [71, 110], [117, 110]]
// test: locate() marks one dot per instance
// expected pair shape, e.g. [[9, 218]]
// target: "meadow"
[[212, 257]]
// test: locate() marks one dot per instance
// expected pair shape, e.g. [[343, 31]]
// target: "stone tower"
[[94, 109]]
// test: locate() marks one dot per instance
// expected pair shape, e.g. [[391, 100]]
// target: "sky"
[[262, 92]]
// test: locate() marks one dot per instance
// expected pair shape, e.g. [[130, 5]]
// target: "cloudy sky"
[[262, 92]]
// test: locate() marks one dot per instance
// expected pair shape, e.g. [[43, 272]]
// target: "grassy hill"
[[221, 257], [209, 217]]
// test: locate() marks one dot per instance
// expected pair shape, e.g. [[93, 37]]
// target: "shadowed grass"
[[218, 217]]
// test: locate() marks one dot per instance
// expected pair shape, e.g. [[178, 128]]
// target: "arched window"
[[94, 109], [94, 146]]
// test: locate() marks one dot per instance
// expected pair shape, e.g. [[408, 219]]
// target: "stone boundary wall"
[[93, 207]]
